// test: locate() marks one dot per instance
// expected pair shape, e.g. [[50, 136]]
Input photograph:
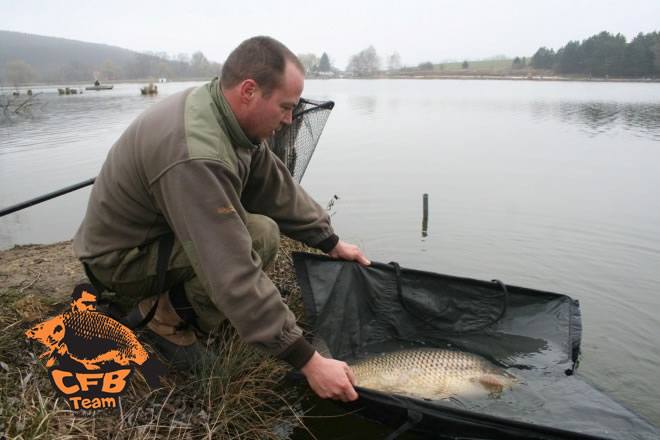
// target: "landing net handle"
[[294, 145]]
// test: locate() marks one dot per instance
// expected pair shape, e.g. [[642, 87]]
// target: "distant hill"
[[50, 57], [54, 59]]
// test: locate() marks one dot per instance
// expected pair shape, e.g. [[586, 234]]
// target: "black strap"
[[183, 308], [99, 286], [402, 300], [414, 418], [165, 244]]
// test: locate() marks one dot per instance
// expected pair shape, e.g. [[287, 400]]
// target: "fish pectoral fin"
[[319, 344], [492, 382]]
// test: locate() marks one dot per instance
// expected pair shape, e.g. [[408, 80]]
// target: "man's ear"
[[248, 88]]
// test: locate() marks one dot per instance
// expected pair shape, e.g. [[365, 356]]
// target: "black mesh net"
[[295, 144], [364, 311]]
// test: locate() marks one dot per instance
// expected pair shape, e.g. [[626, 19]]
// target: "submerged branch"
[[13, 104]]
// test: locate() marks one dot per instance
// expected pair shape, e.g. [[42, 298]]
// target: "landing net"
[[295, 144]]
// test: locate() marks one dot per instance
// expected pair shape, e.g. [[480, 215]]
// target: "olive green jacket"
[[186, 166]]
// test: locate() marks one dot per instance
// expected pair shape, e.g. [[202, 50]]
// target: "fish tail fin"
[[319, 344]]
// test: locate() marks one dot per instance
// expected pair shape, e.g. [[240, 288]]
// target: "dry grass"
[[239, 397]]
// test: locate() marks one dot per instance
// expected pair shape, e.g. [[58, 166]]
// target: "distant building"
[[162, 80]]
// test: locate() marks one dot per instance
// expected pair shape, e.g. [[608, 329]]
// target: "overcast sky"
[[418, 31]]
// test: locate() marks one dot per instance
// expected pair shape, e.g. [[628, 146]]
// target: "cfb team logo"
[[96, 354]]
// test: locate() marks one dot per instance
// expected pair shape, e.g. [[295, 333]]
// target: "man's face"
[[269, 113]]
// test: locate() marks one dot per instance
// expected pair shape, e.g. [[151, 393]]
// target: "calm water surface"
[[547, 185]]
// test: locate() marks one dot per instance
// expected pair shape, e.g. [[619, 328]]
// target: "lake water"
[[548, 185]]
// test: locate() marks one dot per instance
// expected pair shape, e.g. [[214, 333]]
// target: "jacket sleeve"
[[200, 201], [271, 191]]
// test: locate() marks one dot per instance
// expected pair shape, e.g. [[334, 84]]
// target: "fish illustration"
[[432, 374], [90, 338]]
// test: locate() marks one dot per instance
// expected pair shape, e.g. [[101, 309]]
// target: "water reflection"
[[363, 105], [95, 117], [595, 118]]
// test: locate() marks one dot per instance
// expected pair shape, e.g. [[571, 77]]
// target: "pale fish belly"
[[432, 374]]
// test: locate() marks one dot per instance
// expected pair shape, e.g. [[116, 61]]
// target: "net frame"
[[295, 144]]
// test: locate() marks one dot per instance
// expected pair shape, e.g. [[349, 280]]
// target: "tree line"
[[601, 55], [604, 55], [315, 65], [142, 66], [364, 63]]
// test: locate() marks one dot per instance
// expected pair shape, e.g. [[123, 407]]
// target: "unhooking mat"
[[362, 311]]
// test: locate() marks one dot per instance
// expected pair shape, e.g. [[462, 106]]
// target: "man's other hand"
[[348, 252], [330, 378]]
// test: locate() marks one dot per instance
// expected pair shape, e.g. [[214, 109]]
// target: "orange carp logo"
[[96, 354]]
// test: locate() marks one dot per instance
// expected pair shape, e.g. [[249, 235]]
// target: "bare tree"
[[163, 69], [394, 62], [364, 63], [161, 55], [141, 66], [181, 64], [19, 72], [215, 68], [76, 71], [200, 65], [309, 60], [110, 71]]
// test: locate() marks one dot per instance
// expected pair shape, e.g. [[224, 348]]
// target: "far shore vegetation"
[[604, 56]]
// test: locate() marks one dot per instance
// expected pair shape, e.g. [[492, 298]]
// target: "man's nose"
[[288, 117]]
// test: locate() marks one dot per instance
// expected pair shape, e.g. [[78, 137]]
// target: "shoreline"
[[416, 75], [523, 78]]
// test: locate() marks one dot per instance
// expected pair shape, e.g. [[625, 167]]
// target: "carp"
[[432, 374]]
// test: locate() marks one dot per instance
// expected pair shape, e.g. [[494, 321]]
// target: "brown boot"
[[166, 322], [173, 338]]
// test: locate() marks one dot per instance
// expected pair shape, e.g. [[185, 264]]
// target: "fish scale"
[[105, 331], [431, 373]]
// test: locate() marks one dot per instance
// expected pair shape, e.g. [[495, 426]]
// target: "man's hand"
[[330, 378], [348, 252]]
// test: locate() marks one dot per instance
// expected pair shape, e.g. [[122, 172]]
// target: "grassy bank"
[[239, 396]]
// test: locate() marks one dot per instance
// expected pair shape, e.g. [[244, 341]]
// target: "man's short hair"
[[262, 59]]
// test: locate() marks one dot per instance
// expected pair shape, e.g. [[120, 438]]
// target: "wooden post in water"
[[425, 217]]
